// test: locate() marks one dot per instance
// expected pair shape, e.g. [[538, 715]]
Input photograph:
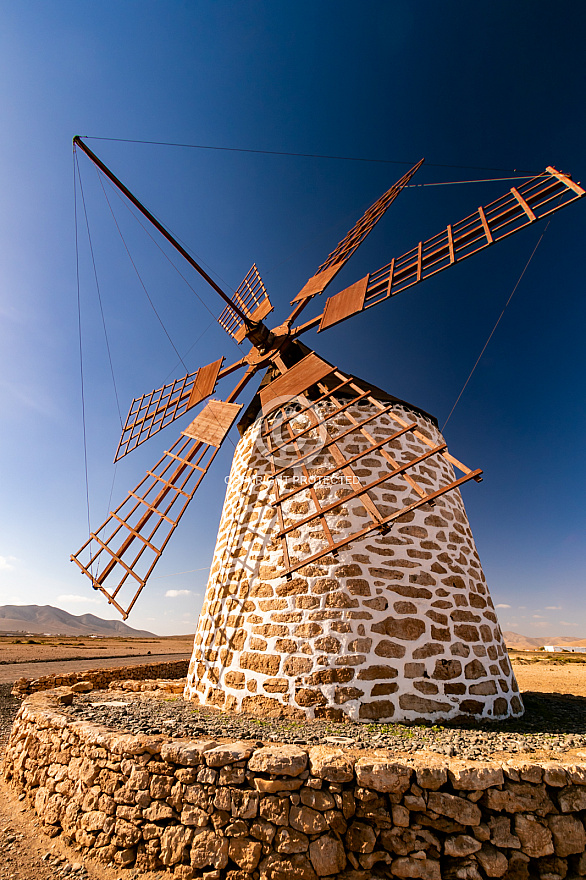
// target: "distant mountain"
[[47, 619], [529, 643]]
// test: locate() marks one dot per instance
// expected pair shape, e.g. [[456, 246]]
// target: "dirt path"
[[12, 671], [46, 648]]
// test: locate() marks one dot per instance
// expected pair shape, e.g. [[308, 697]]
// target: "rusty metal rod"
[[77, 141]]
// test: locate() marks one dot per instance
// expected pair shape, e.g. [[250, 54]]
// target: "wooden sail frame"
[[129, 543], [520, 207], [353, 239], [323, 412], [152, 412], [252, 299]]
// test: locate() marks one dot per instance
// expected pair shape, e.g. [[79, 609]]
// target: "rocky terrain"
[[551, 724]]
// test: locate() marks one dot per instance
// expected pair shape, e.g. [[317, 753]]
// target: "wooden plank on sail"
[[213, 422], [298, 378], [344, 304], [523, 204], [205, 382], [318, 282]]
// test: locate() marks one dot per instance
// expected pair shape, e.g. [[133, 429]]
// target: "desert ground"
[[37, 648], [26, 853], [35, 655], [550, 674]]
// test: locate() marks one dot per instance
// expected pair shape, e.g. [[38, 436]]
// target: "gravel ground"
[[8, 708], [552, 723]]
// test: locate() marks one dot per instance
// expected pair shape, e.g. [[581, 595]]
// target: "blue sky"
[[474, 88]]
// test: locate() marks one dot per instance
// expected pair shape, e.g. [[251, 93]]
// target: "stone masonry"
[[397, 627], [204, 810]]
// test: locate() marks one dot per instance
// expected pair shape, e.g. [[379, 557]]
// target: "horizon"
[[184, 635]]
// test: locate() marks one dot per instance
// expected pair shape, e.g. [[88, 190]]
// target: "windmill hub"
[[265, 349]]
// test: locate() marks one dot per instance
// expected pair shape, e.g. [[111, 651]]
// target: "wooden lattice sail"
[[345, 578]]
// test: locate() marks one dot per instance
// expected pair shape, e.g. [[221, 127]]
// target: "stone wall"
[[236, 810], [101, 678], [398, 627]]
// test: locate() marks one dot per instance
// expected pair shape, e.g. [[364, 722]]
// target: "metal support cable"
[[290, 153], [138, 275], [491, 334], [98, 289], [177, 269], [79, 331]]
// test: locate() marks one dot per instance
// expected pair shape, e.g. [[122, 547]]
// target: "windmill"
[[345, 580]]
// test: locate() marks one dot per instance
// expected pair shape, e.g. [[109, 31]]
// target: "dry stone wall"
[[398, 627], [101, 678], [241, 810]]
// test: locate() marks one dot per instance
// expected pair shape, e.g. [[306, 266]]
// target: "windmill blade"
[[152, 412], [521, 206], [312, 438], [129, 543], [252, 300], [127, 546], [342, 253]]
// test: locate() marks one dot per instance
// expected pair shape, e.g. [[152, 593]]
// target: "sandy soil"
[[10, 672], [27, 649], [552, 678], [27, 853]]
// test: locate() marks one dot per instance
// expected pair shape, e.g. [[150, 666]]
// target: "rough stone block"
[[475, 777], [245, 853], [209, 849], [454, 807], [331, 764], [282, 760], [307, 820], [536, 839], [187, 753], [492, 862], [228, 753], [568, 835], [327, 856]]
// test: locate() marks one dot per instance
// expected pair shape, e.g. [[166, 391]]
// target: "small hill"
[[530, 643], [47, 619]]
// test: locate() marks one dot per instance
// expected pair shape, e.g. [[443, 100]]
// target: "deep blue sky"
[[469, 86]]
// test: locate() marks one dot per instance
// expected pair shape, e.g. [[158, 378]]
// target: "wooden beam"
[[566, 180], [485, 226], [450, 243], [523, 204], [372, 485], [389, 519]]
